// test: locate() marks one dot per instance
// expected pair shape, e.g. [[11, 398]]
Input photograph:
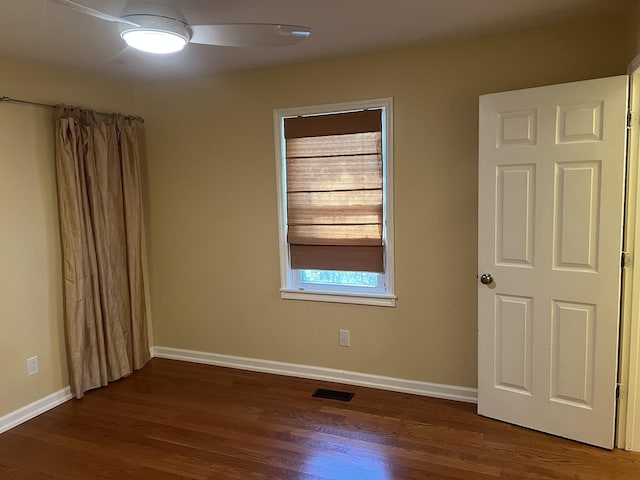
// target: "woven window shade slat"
[[335, 208], [346, 259], [336, 235], [325, 146], [334, 173], [333, 124], [334, 191]]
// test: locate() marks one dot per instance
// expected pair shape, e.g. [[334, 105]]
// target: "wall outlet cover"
[[345, 338], [32, 366]]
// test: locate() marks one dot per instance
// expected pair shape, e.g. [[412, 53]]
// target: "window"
[[335, 202]]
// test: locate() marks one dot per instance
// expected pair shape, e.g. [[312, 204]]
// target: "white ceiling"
[[44, 31]]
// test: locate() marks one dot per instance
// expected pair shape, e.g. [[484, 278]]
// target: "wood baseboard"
[[34, 409], [450, 392]]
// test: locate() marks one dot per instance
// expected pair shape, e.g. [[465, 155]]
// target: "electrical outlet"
[[32, 366], [345, 338]]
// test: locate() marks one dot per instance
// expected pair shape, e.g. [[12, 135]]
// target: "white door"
[[551, 194]]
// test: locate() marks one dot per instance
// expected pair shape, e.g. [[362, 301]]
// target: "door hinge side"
[[626, 259], [619, 391], [631, 118]]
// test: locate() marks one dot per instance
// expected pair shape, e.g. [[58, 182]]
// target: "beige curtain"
[[100, 205]]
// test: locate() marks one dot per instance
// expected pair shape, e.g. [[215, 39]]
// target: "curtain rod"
[[49, 105]]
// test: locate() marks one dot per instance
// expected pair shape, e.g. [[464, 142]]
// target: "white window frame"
[[290, 285]]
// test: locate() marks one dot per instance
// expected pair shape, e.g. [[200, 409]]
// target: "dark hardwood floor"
[[176, 420]]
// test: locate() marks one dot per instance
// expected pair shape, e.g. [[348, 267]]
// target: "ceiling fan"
[[163, 29]]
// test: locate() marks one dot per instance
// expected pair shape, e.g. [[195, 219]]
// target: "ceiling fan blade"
[[249, 34], [123, 57], [78, 7]]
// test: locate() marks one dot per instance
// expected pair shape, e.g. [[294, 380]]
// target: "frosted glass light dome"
[[155, 33], [154, 41]]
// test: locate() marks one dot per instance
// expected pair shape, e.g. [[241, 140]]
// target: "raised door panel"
[[514, 337], [515, 216]]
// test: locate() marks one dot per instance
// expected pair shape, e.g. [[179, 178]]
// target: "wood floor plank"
[[177, 420]]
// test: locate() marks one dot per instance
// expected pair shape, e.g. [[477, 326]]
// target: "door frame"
[[628, 421]]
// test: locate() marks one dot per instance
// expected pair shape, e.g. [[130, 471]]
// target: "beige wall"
[[30, 266], [213, 215], [212, 210]]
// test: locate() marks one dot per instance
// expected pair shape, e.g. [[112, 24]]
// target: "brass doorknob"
[[486, 279]]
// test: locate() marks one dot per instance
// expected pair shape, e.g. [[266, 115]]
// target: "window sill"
[[333, 297]]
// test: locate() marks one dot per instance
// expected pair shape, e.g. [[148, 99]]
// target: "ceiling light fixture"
[[160, 28], [155, 34]]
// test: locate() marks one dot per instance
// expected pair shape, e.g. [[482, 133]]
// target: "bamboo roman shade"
[[334, 191]]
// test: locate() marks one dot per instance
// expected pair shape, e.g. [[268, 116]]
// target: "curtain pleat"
[[99, 195], [132, 182]]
